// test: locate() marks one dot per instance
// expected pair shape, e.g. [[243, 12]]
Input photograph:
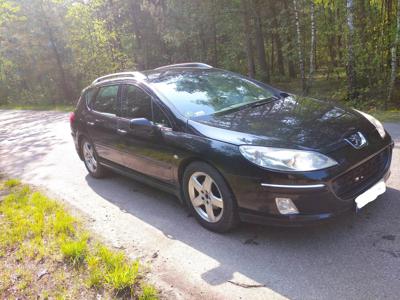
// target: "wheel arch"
[[181, 170], [81, 136]]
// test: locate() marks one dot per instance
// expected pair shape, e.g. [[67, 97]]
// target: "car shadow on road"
[[342, 258]]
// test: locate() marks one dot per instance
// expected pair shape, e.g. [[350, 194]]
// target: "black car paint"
[[294, 122], [291, 122]]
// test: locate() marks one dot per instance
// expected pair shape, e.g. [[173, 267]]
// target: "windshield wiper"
[[262, 101], [241, 106]]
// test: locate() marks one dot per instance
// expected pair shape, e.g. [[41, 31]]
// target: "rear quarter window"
[[87, 97]]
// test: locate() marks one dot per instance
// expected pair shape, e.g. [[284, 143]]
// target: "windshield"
[[197, 93]]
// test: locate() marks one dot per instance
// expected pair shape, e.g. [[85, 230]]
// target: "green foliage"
[[8, 11], [51, 49]]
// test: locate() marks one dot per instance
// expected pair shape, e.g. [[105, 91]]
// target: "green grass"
[[11, 183], [148, 293], [332, 89], [111, 268], [36, 231], [335, 89], [386, 116], [75, 252], [58, 107]]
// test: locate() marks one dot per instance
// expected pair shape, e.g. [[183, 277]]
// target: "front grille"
[[352, 182]]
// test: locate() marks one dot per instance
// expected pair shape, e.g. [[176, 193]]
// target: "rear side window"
[[137, 103], [106, 100]]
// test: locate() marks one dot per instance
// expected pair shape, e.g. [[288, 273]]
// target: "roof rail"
[[136, 75], [186, 65]]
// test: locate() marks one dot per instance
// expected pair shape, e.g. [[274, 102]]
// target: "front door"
[[146, 149]]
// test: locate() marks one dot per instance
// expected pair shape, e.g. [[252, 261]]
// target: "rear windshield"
[[197, 93]]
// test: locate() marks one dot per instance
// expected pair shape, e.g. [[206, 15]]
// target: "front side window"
[[106, 100], [159, 118], [137, 103]]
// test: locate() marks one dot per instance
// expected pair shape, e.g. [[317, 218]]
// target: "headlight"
[[286, 159], [378, 125]]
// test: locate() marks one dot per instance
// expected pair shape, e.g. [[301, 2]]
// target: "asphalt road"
[[352, 257]]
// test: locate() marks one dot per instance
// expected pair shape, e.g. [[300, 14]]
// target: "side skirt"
[[169, 188]]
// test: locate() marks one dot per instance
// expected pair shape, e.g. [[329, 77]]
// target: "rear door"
[[101, 122], [146, 149]]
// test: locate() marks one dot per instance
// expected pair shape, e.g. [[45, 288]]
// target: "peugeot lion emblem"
[[357, 140]]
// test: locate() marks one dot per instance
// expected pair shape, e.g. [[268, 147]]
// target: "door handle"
[[90, 123], [121, 131]]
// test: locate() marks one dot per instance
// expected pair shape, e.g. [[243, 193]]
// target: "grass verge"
[[386, 116], [335, 89], [46, 253], [58, 107]]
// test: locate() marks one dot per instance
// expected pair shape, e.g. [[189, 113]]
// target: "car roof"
[[146, 75]]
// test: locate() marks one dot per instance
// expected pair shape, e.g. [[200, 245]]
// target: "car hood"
[[290, 122]]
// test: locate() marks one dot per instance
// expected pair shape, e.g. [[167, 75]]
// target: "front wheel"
[[209, 197], [90, 159]]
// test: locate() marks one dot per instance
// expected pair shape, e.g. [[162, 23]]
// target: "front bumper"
[[316, 201], [302, 219]]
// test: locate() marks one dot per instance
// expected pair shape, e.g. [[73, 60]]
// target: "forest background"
[[343, 50]]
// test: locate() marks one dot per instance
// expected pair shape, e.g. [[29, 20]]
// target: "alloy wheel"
[[88, 154], [206, 197]]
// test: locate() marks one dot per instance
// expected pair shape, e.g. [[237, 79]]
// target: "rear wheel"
[[209, 197], [90, 159]]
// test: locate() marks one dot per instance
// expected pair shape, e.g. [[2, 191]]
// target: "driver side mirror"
[[144, 128], [140, 123]]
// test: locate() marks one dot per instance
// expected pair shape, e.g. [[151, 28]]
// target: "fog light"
[[286, 206]]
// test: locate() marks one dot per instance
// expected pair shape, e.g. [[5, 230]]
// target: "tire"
[[209, 197], [90, 159]]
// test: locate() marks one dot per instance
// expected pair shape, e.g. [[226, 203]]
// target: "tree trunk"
[[299, 47], [272, 57], [116, 38], [351, 74], [214, 35], [389, 9], [63, 80], [137, 35], [339, 34], [249, 43], [332, 41], [394, 58], [262, 61], [278, 41], [203, 44], [313, 46], [288, 23], [362, 22]]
